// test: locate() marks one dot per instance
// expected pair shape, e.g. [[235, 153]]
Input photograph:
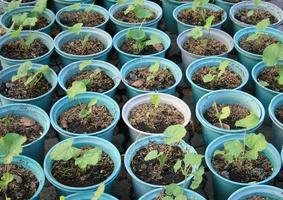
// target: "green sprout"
[[84, 64], [221, 68], [139, 10], [256, 3], [154, 154], [223, 114], [153, 69], [174, 192], [87, 111], [155, 101], [99, 192], [12, 5], [261, 26], [77, 87], [200, 4], [248, 122], [77, 29]]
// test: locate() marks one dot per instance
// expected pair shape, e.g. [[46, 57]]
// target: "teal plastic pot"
[[181, 26], [211, 132], [64, 104], [59, 4], [121, 37], [88, 196], [272, 8], [262, 190], [199, 91], [6, 19], [120, 25], [223, 187], [70, 70], [277, 126], [108, 3], [141, 187], [78, 142], [44, 101], [44, 59], [35, 149], [146, 62], [225, 5], [152, 195], [96, 8]]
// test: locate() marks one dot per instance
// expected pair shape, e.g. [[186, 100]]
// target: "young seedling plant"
[[220, 69], [256, 3], [155, 101], [153, 69], [138, 8], [77, 29], [77, 6], [200, 4], [260, 27]]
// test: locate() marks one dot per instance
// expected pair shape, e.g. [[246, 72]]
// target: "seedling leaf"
[[84, 64], [12, 5], [99, 191], [174, 134], [151, 155], [250, 13], [248, 122], [222, 67], [78, 87], [76, 29], [90, 158], [136, 34], [75, 6], [154, 39], [208, 22], [257, 2], [195, 33], [208, 78], [22, 71], [5, 180], [225, 113], [30, 38], [263, 24], [89, 8], [65, 151], [198, 176], [264, 83], [233, 149], [155, 100], [39, 7], [272, 54], [154, 67]]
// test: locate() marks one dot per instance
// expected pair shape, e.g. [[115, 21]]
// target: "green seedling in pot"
[[77, 87], [77, 29], [223, 114], [153, 69], [256, 3], [138, 8], [86, 112], [155, 101], [260, 27], [248, 122], [200, 4], [220, 70]]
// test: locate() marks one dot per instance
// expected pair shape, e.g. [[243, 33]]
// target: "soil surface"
[[16, 50], [99, 82], [67, 173], [228, 80], [41, 23], [233, 1], [128, 47], [76, 47], [162, 79], [213, 47], [147, 118], [23, 186], [257, 46], [248, 171], [258, 15], [21, 125], [237, 112], [99, 119], [256, 197], [131, 17], [18, 90], [194, 17], [279, 114], [151, 171], [89, 19], [270, 75]]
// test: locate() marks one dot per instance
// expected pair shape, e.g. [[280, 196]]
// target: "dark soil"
[[41, 23], [76, 47], [213, 47], [256, 197], [67, 173], [16, 50], [22, 1], [257, 46], [194, 17], [228, 80], [100, 82], [128, 47], [233, 1], [131, 17], [249, 171], [151, 171], [99, 119], [21, 125], [279, 114], [23, 186], [89, 19], [162, 79], [270, 75], [147, 118], [237, 112], [18, 90], [258, 15]]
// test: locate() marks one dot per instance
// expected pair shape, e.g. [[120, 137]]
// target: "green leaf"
[[65, 151], [32, 80], [233, 149], [252, 37], [78, 87], [208, 78], [90, 157], [142, 12], [173, 190], [11, 145], [218, 152], [12, 5], [222, 67], [263, 24], [225, 113], [84, 113], [192, 160], [121, 1], [99, 191], [89, 8], [18, 19], [129, 9], [30, 38], [248, 122], [151, 155], [76, 29], [177, 165], [195, 33], [84, 64], [208, 22], [154, 67], [198, 176], [75, 6], [257, 2], [264, 83], [5, 180], [272, 54], [155, 100], [17, 32], [136, 34], [154, 39], [22, 71], [30, 21], [39, 8], [250, 13], [174, 134], [256, 141], [92, 102], [62, 198]]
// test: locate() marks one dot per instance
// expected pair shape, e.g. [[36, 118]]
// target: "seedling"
[[87, 111], [77, 29], [155, 101], [99, 192], [154, 154], [138, 8], [153, 69], [221, 70], [260, 27], [78, 87], [223, 114], [256, 3], [200, 4], [248, 122]]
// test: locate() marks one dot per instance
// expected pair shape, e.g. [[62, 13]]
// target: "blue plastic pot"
[[199, 91], [67, 36], [146, 62], [263, 190], [64, 104], [223, 187], [70, 70], [249, 60], [88, 196], [44, 101], [34, 167], [81, 141], [152, 195], [184, 26], [121, 37], [225, 5], [120, 25], [272, 8], [141, 187], [211, 132], [44, 59], [108, 3], [6, 19], [277, 126], [96, 8], [34, 149], [59, 4]]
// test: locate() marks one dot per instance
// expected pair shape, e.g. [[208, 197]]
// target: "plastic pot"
[[146, 62], [59, 4], [136, 134], [125, 57], [188, 58], [184, 26], [120, 25], [44, 59], [44, 101], [211, 132], [88, 196], [35, 149], [81, 141], [108, 3], [272, 8], [34, 167], [96, 8], [66, 36], [223, 187], [64, 104], [225, 5], [141, 187]]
